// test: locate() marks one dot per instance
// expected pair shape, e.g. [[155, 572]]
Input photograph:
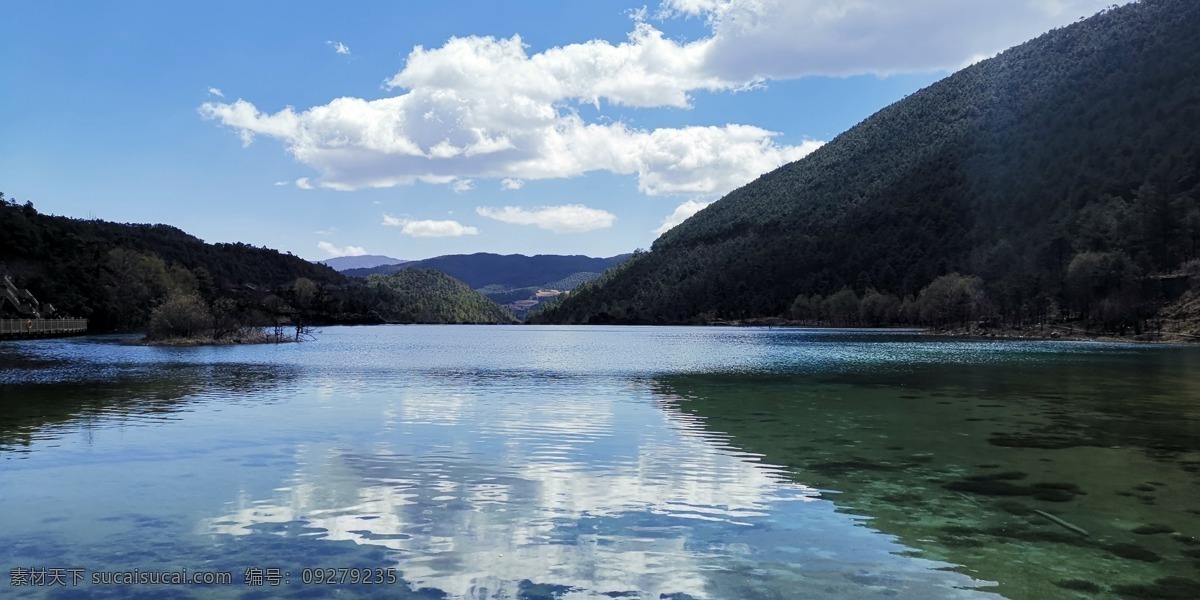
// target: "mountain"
[[115, 273], [118, 274], [428, 296], [509, 272], [366, 261], [1057, 180]]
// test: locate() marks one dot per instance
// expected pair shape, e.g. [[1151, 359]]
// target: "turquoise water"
[[595, 462]]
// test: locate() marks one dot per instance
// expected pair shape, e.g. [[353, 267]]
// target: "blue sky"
[[420, 129]]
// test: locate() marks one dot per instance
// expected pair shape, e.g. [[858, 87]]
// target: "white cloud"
[[395, 141], [212, 91], [569, 218], [691, 8], [706, 160], [304, 184], [281, 183], [681, 214], [335, 252], [482, 107], [462, 185], [338, 47], [646, 70], [778, 39], [332, 231], [509, 183], [429, 228]]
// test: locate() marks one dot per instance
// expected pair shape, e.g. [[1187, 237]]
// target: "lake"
[[600, 462]]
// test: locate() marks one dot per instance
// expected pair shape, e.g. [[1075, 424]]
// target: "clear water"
[[557, 462]]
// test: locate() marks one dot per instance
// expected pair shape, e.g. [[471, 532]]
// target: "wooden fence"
[[19, 328]]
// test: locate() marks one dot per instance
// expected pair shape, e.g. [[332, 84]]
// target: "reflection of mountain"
[[44, 398], [957, 461], [481, 491]]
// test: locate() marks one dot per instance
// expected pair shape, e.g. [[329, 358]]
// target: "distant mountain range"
[[510, 271], [366, 261], [511, 280]]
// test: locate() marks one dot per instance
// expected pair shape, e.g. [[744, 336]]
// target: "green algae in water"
[[1053, 495], [1002, 476], [1014, 508], [1153, 529], [989, 487], [1133, 552], [1079, 585], [1078, 450], [854, 464], [1167, 588], [999, 484], [1064, 486]]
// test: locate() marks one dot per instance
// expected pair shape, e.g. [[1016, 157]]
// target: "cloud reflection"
[[476, 493]]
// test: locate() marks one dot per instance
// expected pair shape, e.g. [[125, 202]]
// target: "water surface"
[[558, 462]]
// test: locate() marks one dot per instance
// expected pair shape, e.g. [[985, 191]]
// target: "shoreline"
[[1046, 333], [187, 342]]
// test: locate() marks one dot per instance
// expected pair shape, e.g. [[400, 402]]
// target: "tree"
[[181, 315], [878, 309], [842, 307], [305, 292], [227, 318], [1159, 218], [951, 298], [1095, 276], [803, 308]]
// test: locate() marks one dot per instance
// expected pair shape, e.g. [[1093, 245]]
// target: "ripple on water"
[[520, 461]]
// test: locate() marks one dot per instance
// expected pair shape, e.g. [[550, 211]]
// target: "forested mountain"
[[505, 271], [1057, 180], [428, 296], [117, 275], [366, 261]]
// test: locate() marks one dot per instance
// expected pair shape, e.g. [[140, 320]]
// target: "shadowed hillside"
[[124, 277], [1056, 181]]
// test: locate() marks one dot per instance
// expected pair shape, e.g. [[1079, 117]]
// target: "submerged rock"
[[1133, 552], [855, 464], [1167, 588], [1013, 507], [1079, 585], [1053, 495], [989, 488], [1153, 529], [998, 484]]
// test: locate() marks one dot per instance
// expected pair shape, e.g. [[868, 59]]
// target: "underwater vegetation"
[[1089, 490]]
